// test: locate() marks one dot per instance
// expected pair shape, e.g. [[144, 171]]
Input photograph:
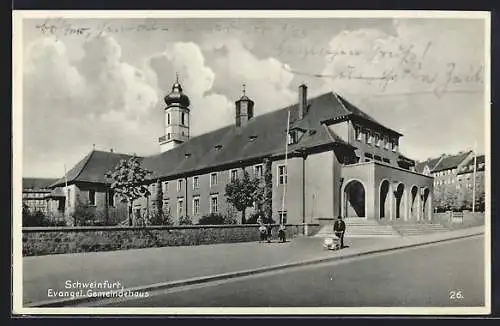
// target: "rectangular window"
[[179, 185], [377, 158], [196, 206], [386, 160], [165, 188], [282, 175], [196, 183], [180, 207], [368, 137], [183, 121], [168, 118], [214, 204], [368, 155], [292, 137], [233, 175], [213, 179], [168, 136], [111, 198], [394, 145], [92, 197], [282, 217], [357, 133], [258, 171], [377, 139]]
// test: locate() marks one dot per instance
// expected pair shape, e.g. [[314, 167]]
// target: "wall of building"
[[294, 190], [319, 190]]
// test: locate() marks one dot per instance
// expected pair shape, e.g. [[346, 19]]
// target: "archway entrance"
[[426, 212], [354, 199], [398, 198], [384, 202], [414, 203]]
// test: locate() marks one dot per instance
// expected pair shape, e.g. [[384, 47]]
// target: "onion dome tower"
[[177, 118]]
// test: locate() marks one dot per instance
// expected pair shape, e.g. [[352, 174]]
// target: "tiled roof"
[[431, 163], [264, 135], [92, 168], [451, 162], [469, 165], [37, 183]]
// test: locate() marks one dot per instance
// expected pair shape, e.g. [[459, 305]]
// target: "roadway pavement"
[[417, 277], [153, 267]]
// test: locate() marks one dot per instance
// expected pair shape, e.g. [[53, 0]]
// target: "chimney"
[[302, 101]]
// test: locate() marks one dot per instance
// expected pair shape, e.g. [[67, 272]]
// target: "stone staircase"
[[360, 228], [418, 228]]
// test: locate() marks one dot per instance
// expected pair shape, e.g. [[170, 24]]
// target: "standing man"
[[339, 230]]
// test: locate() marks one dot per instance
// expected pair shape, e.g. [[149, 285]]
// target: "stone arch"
[[414, 203], [354, 199], [426, 204], [399, 201], [385, 199]]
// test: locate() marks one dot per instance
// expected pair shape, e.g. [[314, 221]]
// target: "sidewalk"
[[142, 267]]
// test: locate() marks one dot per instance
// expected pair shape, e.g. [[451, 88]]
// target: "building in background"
[[340, 161], [453, 175], [36, 192]]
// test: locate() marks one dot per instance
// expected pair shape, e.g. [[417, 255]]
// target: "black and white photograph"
[[251, 162]]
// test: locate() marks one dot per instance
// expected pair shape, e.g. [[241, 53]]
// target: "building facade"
[[337, 161], [36, 194], [453, 179]]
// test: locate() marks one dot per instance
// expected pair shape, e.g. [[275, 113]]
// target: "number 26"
[[456, 295]]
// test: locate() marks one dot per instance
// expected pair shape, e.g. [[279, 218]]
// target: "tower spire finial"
[[177, 77], [244, 89]]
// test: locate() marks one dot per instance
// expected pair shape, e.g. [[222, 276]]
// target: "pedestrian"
[[339, 230], [281, 233], [269, 232], [262, 232]]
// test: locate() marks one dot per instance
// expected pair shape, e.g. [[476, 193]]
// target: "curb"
[[230, 275]]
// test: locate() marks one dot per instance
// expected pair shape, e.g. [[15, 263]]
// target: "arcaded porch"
[[379, 191]]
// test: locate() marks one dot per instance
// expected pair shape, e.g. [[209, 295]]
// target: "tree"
[[128, 179], [243, 193]]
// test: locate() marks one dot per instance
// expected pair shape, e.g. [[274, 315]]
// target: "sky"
[[100, 82]]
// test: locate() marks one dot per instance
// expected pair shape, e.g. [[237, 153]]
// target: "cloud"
[[209, 110], [424, 80], [71, 104], [267, 82]]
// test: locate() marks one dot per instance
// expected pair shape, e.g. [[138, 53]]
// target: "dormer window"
[[294, 136], [187, 155], [252, 138], [218, 147]]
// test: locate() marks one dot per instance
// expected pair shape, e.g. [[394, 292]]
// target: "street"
[[444, 274]]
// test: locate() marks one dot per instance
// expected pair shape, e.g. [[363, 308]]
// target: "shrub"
[[255, 217], [38, 218], [185, 220], [84, 215], [212, 219], [159, 217]]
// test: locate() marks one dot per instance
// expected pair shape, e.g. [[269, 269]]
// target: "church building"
[[339, 161]]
